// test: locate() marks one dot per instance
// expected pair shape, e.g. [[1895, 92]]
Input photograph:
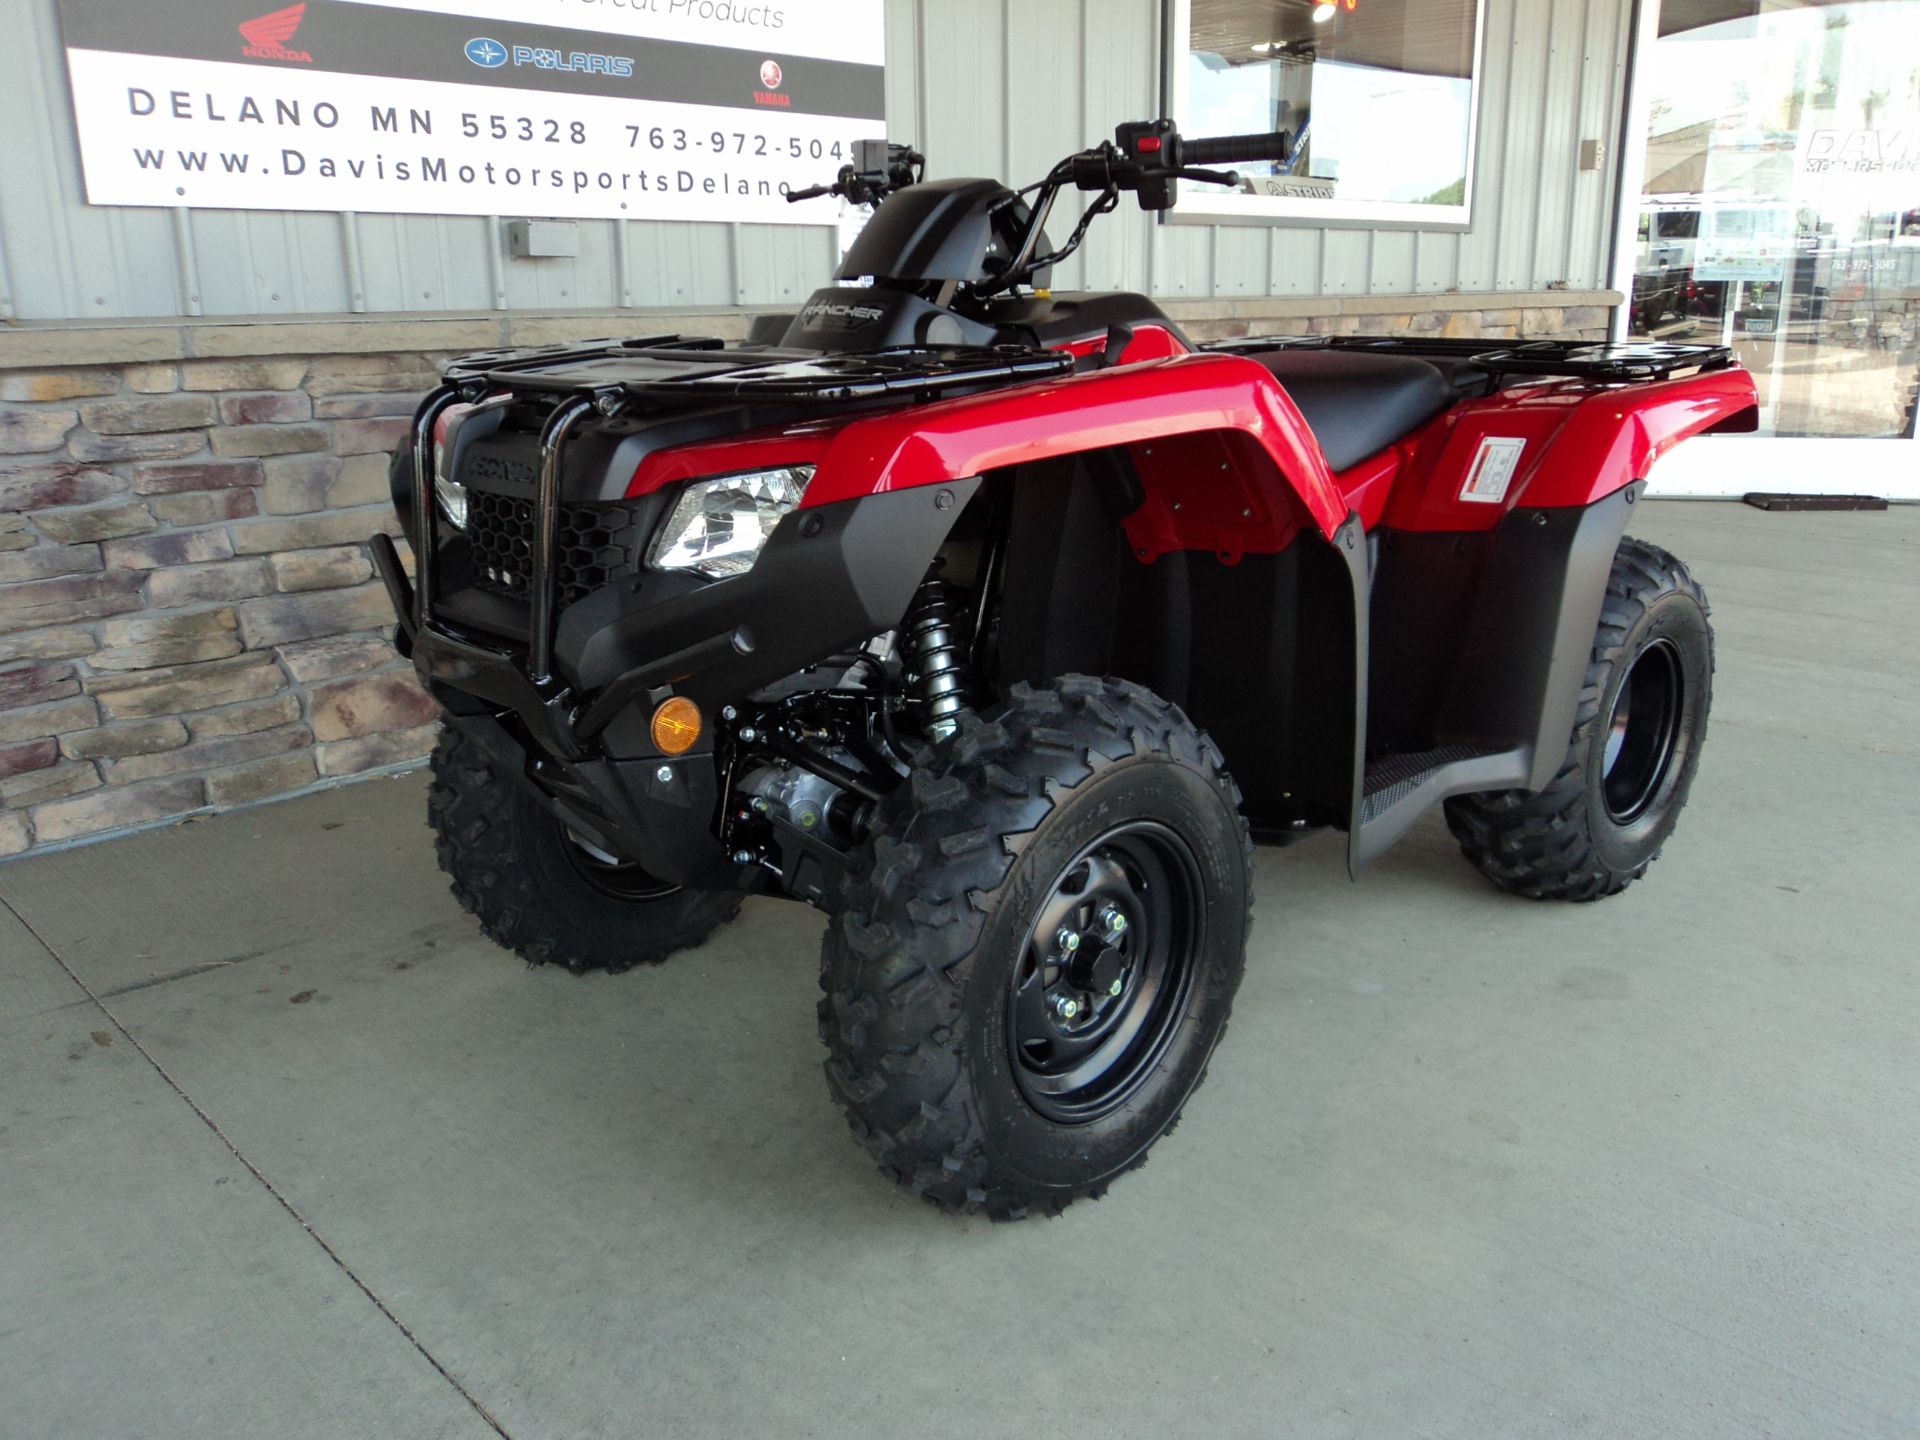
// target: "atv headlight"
[[720, 526], [452, 496]]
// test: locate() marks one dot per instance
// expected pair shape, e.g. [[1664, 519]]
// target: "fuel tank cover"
[[845, 318], [938, 230]]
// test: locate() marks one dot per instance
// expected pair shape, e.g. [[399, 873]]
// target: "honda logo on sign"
[[267, 35]]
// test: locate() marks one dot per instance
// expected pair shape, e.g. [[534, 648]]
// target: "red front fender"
[[1129, 405]]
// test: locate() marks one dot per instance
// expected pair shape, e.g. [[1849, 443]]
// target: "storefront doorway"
[[1773, 176]]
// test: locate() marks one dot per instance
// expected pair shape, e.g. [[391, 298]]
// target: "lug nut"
[[1066, 1007], [1115, 988], [1068, 940], [1115, 922]]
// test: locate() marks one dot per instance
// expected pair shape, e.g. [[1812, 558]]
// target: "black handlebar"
[[877, 170], [1237, 149], [1151, 157], [1147, 158]]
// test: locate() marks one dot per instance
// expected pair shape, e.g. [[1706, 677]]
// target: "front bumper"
[[573, 700], [655, 809]]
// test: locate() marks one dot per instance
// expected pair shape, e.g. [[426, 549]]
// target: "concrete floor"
[[287, 1149]]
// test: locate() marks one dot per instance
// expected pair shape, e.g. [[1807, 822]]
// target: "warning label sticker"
[[1493, 469]]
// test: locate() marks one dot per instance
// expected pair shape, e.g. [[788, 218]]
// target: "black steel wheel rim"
[[1105, 972], [613, 877], [1642, 733]]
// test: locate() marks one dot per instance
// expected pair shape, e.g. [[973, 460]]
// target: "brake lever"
[[812, 192], [1210, 177]]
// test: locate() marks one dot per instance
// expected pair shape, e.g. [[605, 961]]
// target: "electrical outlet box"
[[542, 239], [1593, 154]]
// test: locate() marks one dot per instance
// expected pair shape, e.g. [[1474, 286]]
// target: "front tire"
[[543, 893], [1636, 744], [989, 1062]]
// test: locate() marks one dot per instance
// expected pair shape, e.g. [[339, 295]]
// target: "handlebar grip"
[[1236, 149]]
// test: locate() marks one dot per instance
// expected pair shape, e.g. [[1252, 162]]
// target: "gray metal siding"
[[995, 87]]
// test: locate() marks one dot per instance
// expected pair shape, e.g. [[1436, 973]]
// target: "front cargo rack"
[[669, 366], [1572, 359], [605, 377]]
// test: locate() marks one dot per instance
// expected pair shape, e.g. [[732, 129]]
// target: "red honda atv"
[[998, 624]]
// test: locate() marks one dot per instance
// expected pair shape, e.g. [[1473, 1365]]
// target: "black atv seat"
[[1359, 404]]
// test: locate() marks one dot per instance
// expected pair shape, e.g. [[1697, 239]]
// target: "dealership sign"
[[641, 109]]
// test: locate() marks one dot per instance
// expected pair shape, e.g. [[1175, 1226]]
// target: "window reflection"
[[1378, 93], [1781, 212]]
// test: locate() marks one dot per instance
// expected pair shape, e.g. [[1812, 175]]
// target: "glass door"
[[1777, 144]]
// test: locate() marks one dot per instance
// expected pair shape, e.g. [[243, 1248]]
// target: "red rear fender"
[[1577, 442], [1612, 439]]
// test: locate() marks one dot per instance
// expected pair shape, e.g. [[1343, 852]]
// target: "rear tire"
[[1636, 744], [539, 892], [986, 1063]]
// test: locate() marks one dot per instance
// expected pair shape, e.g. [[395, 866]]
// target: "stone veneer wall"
[[188, 616]]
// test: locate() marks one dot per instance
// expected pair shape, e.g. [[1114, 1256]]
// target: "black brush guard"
[[607, 795]]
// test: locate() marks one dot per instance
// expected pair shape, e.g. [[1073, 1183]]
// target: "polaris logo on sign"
[[267, 35], [490, 54], [487, 54], [585, 63]]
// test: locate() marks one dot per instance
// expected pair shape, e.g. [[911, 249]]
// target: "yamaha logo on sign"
[[487, 54], [769, 91]]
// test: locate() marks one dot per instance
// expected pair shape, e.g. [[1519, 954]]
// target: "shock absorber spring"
[[933, 646]]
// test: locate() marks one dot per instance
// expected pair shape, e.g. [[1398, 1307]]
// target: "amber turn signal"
[[676, 725]]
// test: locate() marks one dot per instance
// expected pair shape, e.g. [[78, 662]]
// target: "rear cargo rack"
[[669, 366], [1571, 359]]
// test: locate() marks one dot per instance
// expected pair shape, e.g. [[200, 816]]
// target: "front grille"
[[592, 545]]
